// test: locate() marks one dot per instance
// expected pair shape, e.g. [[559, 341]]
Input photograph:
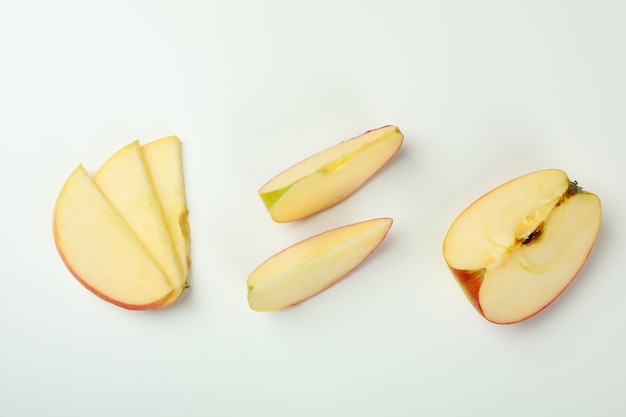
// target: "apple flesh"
[[164, 161], [515, 249], [101, 251], [126, 182], [124, 234], [312, 265], [165, 167], [330, 176]]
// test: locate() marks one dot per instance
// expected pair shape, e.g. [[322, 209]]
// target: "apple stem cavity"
[[573, 189]]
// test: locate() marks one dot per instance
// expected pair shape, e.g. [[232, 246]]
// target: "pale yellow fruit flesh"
[[535, 274], [330, 176], [488, 229], [125, 181], [101, 250], [516, 248], [164, 162], [310, 266]]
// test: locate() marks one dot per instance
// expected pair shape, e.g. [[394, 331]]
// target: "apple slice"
[[312, 265], [330, 176], [101, 251], [165, 165], [515, 249], [126, 182]]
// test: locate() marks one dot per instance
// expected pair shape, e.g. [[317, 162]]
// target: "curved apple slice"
[[165, 165], [101, 251], [515, 249], [125, 181], [312, 265], [330, 176]]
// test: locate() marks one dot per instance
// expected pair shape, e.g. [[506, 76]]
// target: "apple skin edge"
[[470, 282]]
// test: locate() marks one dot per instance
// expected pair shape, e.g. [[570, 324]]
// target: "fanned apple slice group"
[[330, 176], [312, 265], [124, 234], [515, 249]]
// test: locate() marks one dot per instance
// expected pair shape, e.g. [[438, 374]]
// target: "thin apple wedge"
[[312, 265], [165, 165], [515, 249], [330, 176], [124, 233]]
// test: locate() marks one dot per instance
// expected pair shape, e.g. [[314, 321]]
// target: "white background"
[[484, 91]]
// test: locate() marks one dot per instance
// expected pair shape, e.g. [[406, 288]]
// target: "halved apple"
[[515, 249], [330, 176], [312, 265], [141, 189]]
